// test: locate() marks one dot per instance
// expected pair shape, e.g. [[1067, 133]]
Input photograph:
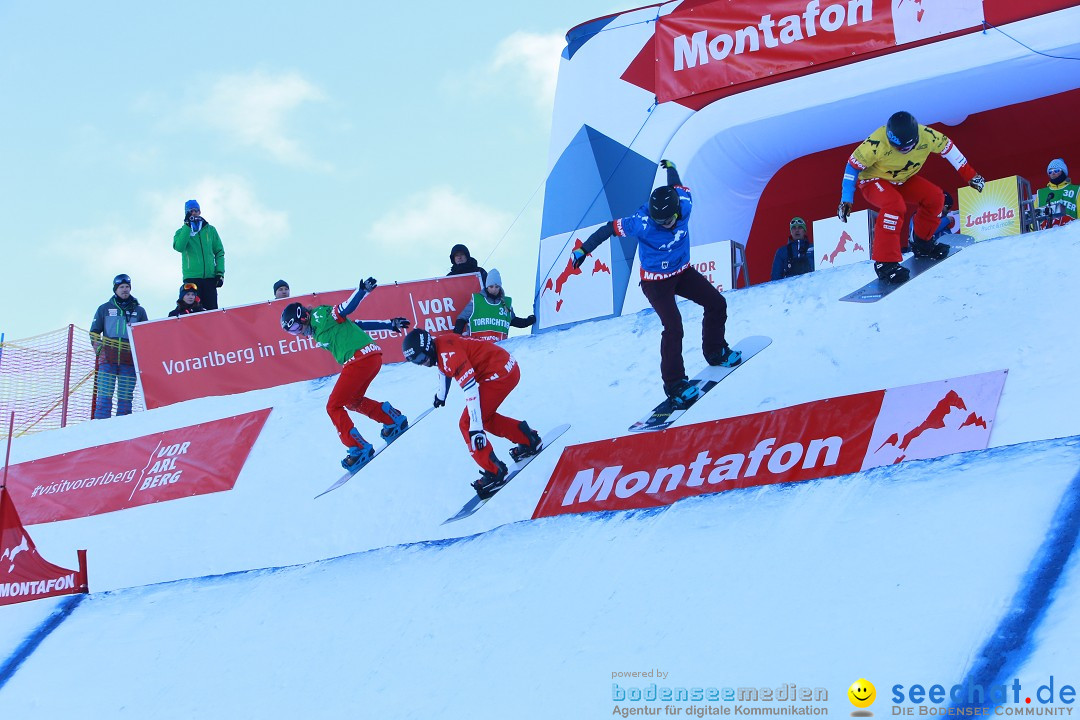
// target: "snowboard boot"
[[358, 455], [892, 272], [682, 393], [725, 358], [520, 452], [490, 482], [929, 249], [398, 423]]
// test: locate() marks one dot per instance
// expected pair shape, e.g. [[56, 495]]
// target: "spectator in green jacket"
[[202, 254]]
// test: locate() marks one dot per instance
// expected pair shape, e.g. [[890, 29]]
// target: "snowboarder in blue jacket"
[[662, 229]]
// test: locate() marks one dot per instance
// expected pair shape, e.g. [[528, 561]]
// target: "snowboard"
[[878, 288], [512, 470], [664, 414], [350, 473]]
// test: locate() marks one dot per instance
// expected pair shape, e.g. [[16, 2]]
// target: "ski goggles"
[[295, 328], [902, 146], [191, 287], [419, 357]]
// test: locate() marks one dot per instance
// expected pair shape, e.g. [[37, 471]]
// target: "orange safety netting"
[[51, 381]]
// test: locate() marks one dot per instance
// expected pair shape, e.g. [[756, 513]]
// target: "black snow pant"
[[693, 286], [207, 291]]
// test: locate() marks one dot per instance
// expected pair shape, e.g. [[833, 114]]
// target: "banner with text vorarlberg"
[[224, 352], [195, 460]]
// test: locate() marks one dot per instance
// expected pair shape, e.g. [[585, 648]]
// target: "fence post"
[[67, 377]]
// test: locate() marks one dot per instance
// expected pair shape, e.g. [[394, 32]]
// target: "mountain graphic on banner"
[[841, 247], [936, 419], [556, 284]]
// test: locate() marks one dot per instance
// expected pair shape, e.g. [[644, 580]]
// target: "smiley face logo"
[[862, 693]]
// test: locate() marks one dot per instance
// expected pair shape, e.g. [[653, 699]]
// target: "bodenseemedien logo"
[[862, 695]]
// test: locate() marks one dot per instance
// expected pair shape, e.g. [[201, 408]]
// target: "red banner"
[[195, 460], [24, 574], [223, 352], [715, 45], [824, 438]]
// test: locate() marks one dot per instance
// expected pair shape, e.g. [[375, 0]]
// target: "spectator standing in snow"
[[202, 255]]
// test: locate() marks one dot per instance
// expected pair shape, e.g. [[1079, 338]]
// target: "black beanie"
[[459, 248]]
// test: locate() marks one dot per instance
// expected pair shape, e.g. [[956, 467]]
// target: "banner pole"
[[7, 457]]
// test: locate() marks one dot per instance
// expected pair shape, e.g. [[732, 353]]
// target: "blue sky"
[[326, 145]]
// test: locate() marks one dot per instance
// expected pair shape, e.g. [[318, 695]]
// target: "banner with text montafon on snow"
[[823, 438]]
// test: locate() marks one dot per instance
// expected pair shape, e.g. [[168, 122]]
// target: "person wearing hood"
[[188, 301], [1056, 203], [202, 254], [796, 256], [110, 339], [463, 263], [490, 314]]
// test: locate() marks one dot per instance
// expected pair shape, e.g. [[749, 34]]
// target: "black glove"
[[667, 164], [439, 402], [399, 324], [459, 325], [530, 321], [220, 280], [843, 211], [369, 284], [477, 440], [948, 204], [978, 182], [578, 256]]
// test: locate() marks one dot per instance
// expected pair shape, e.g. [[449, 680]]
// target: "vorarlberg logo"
[[974, 699]]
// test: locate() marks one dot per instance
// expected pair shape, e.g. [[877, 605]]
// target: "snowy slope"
[[900, 573], [986, 309]]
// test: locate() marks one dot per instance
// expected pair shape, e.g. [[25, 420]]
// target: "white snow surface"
[[360, 604]]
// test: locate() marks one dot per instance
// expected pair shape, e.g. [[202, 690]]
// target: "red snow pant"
[[492, 393], [693, 286], [891, 202], [348, 394]]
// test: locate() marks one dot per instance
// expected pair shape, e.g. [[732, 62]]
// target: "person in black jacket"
[[462, 263], [796, 257], [109, 337], [188, 302]]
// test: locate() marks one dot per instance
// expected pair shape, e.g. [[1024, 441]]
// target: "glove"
[[439, 402], [369, 284], [459, 326], [667, 164], [399, 324], [530, 321], [978, 182], [220, 280], [477, 440], [578, 256], [843, 211]]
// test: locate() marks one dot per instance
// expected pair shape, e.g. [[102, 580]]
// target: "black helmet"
[[119, 280], [293, 318], [902, 131], [419, 347], [663, 204]]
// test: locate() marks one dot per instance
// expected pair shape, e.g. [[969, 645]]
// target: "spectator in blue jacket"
[[663, 234], [796, 256], [109, 337]]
